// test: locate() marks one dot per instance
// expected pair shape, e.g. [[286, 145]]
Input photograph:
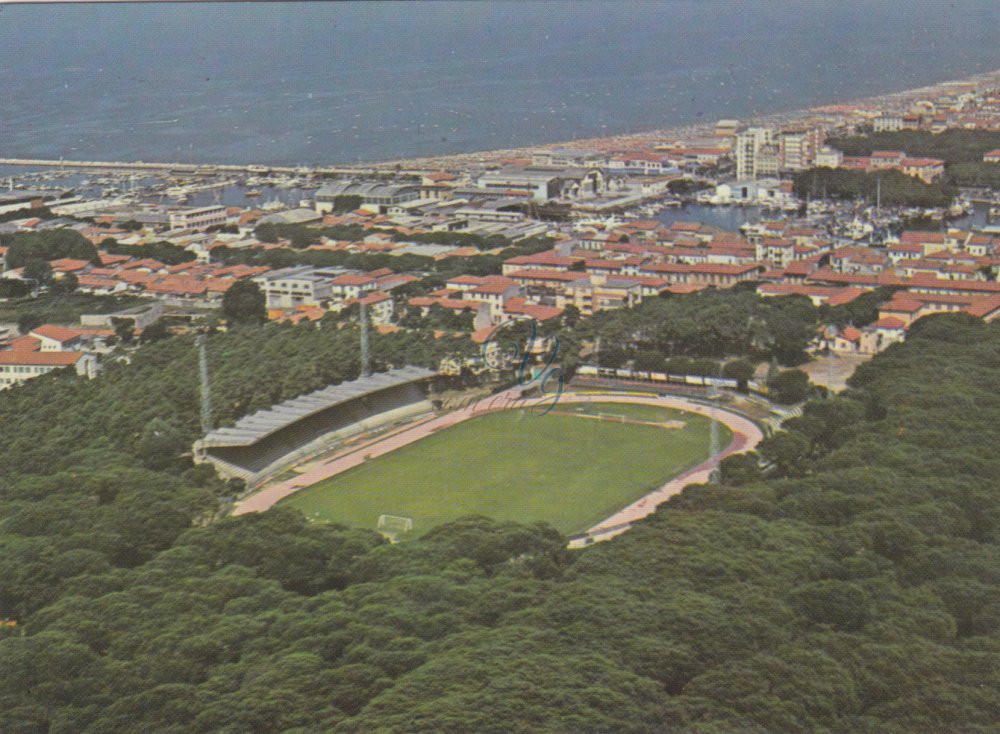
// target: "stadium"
[[261, 445], [372, 453]]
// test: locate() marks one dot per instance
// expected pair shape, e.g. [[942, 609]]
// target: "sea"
[[319, 83]]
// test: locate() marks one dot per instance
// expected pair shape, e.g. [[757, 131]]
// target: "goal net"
[[394, 527]]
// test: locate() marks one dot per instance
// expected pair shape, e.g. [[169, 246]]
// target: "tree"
[[29, 321], [570, 316], [737, 469], [649, 361], [155, 332], [840, 604], [38, 271], [346, 203], [67, 283], [741, 370], [47, 245], [161, 444], [124, 329], [789, 386], [244, 303], [787, 451], [612, 357], [13, 288]]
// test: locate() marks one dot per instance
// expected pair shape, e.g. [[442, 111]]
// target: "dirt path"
[[745, 432]]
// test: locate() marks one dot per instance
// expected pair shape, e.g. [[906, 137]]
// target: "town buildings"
[[44, 349]]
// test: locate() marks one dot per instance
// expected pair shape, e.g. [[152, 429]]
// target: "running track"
[[746, 435]]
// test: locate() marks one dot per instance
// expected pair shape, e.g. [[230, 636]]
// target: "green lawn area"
[[510, 465]]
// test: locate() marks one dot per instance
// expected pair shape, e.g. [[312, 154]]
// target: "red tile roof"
[[566, 277], [219, 285], [25, 344], [915, 236], [373, 298], [56, 333], [493, 288], [903, 305], [889, 322], [519, 306], [352, 279], [97, 281], [52, 359], [68, 265]]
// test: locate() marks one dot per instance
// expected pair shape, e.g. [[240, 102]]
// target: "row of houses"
[[126, 275]]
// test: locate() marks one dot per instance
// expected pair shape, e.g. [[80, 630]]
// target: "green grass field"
[[510, 465]]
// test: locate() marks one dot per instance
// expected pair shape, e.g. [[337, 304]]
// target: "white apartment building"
[[293, 287], [829, 158], [200, 218], [888, 123], [798, 149], [757, 153]]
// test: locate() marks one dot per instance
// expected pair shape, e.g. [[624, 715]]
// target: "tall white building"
[[756, 153], [798, 149]]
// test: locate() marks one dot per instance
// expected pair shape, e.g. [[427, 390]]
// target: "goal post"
[[394, 527]]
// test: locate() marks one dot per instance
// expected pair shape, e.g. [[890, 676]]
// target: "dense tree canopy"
[[165, 252], [49, 244], [951, 146], [961, 150], [893, 188], [853, 591], [711, 323], [244, 302]]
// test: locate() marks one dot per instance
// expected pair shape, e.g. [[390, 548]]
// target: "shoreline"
[[894, 101], [789, 117]]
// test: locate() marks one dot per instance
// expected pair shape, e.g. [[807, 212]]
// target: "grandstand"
[[268, 441]]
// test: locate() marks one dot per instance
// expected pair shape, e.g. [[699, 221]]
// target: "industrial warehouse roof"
[[365, 189], [252, 428]]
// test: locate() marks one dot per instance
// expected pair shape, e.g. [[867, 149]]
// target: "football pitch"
[[566, 470]]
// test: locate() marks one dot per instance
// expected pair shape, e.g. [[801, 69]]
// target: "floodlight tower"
[[831, 335], [206, 395], [365, 362], [713, 435]]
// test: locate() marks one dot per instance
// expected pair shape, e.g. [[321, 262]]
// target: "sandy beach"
[[893, 101]]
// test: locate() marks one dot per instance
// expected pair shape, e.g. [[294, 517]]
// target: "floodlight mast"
[[831, 334], [206, 395], [365, 362], [713, 440]]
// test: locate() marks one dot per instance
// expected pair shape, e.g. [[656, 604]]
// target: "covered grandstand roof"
[[252, 428]]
